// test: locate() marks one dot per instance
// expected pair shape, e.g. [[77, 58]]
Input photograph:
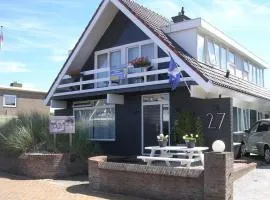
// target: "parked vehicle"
[[257, 140]]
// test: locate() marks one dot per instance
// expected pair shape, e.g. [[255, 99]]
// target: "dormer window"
[[246, 71], [216, 54]]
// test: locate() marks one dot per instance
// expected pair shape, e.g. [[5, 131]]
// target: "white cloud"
[[13, 67]]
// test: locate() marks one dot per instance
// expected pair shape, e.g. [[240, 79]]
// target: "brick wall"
[[214, 181], [145, 181], [42, 165]]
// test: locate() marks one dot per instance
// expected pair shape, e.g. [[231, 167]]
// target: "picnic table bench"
[[185, 155]]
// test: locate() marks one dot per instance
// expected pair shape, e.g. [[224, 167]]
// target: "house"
[[124, 107], [15, 99]]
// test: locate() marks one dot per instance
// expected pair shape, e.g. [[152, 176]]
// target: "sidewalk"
[[19, 188]]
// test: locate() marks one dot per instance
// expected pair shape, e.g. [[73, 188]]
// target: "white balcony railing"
[[138, 79]]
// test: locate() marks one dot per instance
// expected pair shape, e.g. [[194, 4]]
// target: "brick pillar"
[[93, 172], [218, 183]]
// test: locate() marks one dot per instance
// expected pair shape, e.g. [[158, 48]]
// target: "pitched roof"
[[156, 22]]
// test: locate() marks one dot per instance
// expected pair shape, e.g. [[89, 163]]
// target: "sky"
[[39, 33]]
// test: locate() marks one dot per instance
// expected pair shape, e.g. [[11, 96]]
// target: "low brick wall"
[[42, 165], [215, 181]]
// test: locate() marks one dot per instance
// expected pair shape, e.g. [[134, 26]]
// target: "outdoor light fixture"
[[227, 74], [218, 146]]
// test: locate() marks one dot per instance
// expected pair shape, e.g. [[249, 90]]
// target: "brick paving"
[[18, 188]]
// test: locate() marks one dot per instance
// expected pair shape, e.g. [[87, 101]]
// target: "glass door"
[[155, 119]]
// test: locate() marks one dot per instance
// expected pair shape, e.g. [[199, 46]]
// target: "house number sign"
[[218, 116]]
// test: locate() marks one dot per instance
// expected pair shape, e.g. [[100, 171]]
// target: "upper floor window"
[[9, 101], [216, 54], [245, 71], [223, 59], [200, 50]]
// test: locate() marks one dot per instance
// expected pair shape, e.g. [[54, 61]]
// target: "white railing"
[[144, 81]]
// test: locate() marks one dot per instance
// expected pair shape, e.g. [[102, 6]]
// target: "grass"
[[29, 133]]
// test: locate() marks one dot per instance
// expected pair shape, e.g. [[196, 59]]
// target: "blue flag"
[[174, 74]]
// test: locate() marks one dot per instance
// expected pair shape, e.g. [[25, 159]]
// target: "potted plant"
[[140, 62], [162, 140], [190, 140]]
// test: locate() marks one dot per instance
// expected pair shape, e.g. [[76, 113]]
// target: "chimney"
[[180, 17], [16, 84]]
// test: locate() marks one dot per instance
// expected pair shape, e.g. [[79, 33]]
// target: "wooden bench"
[[149, 159]]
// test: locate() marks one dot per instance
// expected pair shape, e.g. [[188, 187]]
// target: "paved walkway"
[[17, 188], [255, 185]]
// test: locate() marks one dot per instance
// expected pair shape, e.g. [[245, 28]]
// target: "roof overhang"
[[239, 99], [87, 42], [204, 27]]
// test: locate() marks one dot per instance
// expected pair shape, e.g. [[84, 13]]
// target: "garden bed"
[[39, 165]]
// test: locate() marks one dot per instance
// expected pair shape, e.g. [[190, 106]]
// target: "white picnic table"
[[184, 155]]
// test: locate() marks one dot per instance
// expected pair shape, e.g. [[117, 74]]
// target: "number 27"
[[212, 118]]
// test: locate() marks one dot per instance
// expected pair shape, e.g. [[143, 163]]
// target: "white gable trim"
[[76, 50], [195, 76]]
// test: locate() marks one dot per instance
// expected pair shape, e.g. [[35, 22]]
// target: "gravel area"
[[256, 184]]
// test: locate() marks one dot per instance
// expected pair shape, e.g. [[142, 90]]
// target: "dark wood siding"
[[180, 101], [121, 31]]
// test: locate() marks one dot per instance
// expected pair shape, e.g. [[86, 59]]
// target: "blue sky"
[[39, 33]]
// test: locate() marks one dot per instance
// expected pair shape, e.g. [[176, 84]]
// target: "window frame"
[[4, 101], [90, 106]]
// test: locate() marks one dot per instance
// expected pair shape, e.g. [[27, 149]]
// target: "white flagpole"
[[1, 37], [184, 79], [181, 74]]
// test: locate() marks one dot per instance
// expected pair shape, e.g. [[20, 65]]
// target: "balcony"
[[122, 77]]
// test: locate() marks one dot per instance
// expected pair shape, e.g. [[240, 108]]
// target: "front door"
[[155, 118]]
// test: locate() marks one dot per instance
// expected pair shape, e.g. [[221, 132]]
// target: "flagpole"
[[1, 37], [180, 72], [184, 79]]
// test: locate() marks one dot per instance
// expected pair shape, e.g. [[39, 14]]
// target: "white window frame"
[[124, 53], [4, 101], [89, 107]]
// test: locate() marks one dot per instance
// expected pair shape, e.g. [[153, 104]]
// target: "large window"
[[116, 60], [9, 101], [97, 119]]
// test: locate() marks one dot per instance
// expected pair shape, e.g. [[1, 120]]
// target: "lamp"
[[227, 74], [218, 146]]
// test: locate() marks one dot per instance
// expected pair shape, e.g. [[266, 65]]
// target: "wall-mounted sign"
[[115, 99], [62, 124]]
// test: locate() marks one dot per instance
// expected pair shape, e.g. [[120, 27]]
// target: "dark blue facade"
[[128, 116]]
